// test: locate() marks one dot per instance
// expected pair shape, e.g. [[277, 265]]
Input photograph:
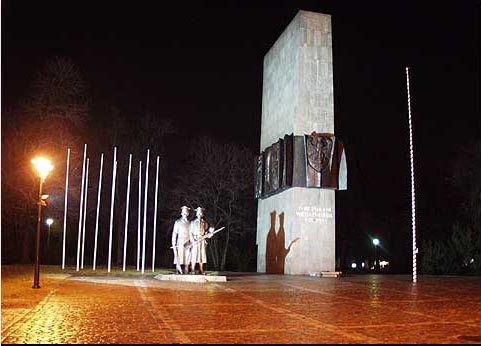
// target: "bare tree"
[[467, 178], [42, 125], [133, 135], [220, 179], [59, 91]]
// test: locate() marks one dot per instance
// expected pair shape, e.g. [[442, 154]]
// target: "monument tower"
[[301, 162]]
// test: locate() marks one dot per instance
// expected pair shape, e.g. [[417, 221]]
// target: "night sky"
[[200, 63]]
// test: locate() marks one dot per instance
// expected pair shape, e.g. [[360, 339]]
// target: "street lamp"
[[49, 223], [376, 242], [43, 168]]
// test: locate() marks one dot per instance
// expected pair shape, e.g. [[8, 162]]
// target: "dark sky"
[[200, 63]]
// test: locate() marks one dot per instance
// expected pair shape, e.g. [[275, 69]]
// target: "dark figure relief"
[[271, 246], [276, 252], [282, 251]]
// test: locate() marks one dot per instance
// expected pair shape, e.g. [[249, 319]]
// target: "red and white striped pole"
[[413, 197]]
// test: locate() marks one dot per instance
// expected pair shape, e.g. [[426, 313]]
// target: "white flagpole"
[[138, 216], [85, 213], [98, 209], [81, 208], [112, 201], [155, 213], [145, 209], [65, 211], [413, 197], [127, 212]]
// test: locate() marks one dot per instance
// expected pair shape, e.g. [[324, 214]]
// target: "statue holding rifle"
[[199, 231], [180, 236]]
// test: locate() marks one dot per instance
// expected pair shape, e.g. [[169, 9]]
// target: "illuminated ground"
[[249, 308]]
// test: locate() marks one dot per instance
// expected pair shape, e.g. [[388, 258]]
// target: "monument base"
[[326, 274], [191, 278]]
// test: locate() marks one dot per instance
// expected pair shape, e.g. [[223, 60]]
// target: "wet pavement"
[[248, 308]]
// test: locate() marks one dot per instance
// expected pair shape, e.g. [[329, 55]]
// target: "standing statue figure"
[[180, 236], [199, 230]]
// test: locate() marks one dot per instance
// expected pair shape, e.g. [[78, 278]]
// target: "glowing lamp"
[[43, 166]]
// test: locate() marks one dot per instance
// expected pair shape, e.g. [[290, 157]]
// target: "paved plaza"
[[118, 307]]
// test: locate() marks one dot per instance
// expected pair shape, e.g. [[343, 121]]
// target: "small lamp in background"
[[376, 243]]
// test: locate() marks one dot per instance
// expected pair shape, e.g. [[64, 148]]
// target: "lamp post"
[[43, 167], [376, 242]]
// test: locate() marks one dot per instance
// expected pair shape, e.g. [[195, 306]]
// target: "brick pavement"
[[249, 308]]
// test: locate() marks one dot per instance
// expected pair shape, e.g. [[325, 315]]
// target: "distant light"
[[49, 221], [383, 264], [363, 264], [375, 241], [354, 265], [472, 260]]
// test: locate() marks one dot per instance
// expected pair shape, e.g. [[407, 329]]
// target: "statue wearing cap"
[[198, 229], [180, 235]]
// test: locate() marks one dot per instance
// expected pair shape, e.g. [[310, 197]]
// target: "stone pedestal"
[[191, 278], [296, 227]]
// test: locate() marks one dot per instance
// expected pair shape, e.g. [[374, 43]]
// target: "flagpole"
[[413, 197]]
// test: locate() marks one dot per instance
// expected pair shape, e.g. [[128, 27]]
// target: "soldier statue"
[[199, 231], [180, 236]]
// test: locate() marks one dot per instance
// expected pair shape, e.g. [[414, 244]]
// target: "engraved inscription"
[[314, 214]]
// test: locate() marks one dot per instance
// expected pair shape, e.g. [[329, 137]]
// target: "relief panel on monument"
[[319, 149], [339, 166], [288, 161], [314, 161], [272, 168], [259, 175]]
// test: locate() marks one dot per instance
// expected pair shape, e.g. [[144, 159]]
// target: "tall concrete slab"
[[296, 227]]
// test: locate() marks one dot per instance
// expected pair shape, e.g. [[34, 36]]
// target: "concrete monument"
[[302, 162]]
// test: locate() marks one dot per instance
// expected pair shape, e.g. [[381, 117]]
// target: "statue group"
[[189, 241]]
